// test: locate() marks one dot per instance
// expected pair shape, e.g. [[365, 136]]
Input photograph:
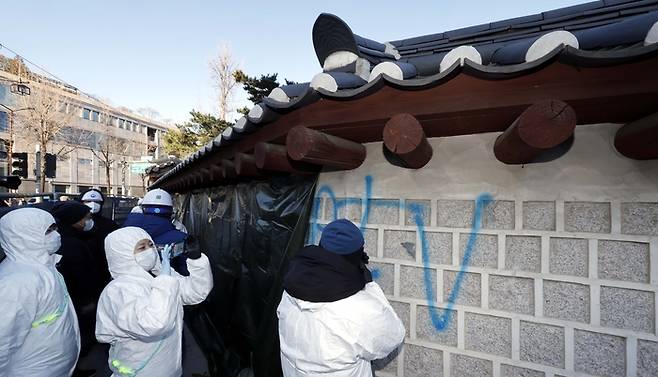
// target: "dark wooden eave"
[[467, 102]]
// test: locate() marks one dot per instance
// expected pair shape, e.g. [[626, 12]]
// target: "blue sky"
[[147, 53]]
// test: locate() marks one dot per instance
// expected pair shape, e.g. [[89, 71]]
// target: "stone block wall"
[[561, 278], [549, 289]]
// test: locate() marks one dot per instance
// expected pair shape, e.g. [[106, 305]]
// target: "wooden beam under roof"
[[307, 145], [639, 139], [540, 127], [274, 158], [467, 104], [245, 165], [404, 137]]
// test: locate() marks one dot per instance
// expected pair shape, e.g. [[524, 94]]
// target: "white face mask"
[[95, 206], [89, 224], [53, 242], [147, 259]]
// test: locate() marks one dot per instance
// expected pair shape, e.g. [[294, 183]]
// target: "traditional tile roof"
[[599, 33]]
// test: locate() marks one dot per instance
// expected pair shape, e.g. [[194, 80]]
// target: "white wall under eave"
[[562, 276], [464, 166]]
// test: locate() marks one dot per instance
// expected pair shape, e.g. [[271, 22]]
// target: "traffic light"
[[19, 164], [51, 165], [10, 181]]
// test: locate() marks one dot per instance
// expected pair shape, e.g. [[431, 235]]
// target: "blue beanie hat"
[[341, 237]]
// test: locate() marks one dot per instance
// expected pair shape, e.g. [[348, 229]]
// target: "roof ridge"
[[592, 11]]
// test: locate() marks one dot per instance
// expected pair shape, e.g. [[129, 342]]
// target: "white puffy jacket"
[[141, 316], [39, 334], [339, 338]]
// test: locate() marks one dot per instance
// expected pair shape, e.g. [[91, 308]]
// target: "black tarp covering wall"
[[249, 231]]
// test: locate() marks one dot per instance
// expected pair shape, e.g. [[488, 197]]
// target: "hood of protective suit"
[[119, 250], [23, 236]]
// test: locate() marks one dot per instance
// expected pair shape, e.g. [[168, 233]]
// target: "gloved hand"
[[365, 258], [367, 275], [166, 264], [192, 247]]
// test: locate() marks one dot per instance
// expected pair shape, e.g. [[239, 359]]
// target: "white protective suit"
[[141, 316], [339, 338], [39, 334]]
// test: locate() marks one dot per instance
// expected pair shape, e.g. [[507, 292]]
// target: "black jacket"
[[95, 240], [317, 275], [78, 268]]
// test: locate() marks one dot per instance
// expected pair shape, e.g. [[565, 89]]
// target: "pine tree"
[[257, 87], [193, 134]]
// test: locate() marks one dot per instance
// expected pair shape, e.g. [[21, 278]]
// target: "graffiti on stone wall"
[[440, 318]]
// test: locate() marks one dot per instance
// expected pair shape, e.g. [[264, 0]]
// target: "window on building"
[[95, 116], [150, 132], [4, 121], [84, 161], [60, 188], [3, 155], [82, 189], [122, 123], [86, 114]]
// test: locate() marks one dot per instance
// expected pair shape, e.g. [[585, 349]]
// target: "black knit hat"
[[69, 213]]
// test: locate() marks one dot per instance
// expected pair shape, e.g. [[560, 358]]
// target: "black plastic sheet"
[[249, 231]]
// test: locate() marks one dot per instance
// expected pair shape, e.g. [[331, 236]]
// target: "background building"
[[79, 144]]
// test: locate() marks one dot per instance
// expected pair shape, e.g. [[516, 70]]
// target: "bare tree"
[[74, 138], [110, 148], [143, 177], [43, 122], [124, 168], [149, 112], [222, 68]]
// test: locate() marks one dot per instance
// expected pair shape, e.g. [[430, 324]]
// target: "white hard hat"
[[157, 197], [92, 196]]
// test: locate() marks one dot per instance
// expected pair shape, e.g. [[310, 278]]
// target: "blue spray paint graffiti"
[[439, 321]]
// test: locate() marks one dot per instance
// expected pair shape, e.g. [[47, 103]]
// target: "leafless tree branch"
[[44, 121], [222, 68]]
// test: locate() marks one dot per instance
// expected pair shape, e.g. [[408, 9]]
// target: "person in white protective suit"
[[39, 334], [333, 319], [140, 313]]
